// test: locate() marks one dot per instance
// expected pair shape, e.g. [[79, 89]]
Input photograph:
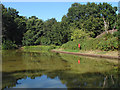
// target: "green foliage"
[[116, 34], [34, 31], [90, 16], [28, 38], [45, 41], [109, 44], [72, 45], [7, 44], [79, 34], [13, 25], [106, 42], [45, 33], [88, 19], [39, 48]]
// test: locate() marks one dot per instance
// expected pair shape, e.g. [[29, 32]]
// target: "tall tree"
[[34, 27], [13, 25], [96, 15]]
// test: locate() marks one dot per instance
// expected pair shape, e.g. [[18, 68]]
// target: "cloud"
[[40, 82]]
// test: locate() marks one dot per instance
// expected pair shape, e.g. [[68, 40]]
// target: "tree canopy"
[[81, 20]]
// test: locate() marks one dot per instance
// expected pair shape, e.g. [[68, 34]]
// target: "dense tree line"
[[89, 20]]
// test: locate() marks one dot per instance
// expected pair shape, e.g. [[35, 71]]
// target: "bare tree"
[[106, 25]]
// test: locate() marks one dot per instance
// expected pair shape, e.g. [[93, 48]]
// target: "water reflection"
[[40, 82], [21, 69]]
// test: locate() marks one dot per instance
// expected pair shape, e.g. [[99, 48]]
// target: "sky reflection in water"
[[40, 82]]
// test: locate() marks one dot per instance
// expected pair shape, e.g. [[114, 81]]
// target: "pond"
[[22, 69]]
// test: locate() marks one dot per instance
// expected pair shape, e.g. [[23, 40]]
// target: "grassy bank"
[[105, 45], [39, 48], [92, 52]]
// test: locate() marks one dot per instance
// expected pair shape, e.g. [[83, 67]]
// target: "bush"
[[116, 34], [106, 42], [109, 44], [45, 41], [8, 44], [73, 45]]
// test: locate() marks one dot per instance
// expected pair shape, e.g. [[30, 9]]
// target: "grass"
[[71, 50], [105, 45], [97, 52], [39, 48]]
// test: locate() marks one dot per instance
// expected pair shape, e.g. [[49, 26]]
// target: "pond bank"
[[87, 54], [92, 53]]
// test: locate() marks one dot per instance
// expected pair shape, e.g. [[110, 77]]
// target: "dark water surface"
[[52, 70]]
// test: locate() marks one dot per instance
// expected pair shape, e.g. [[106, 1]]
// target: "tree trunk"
[[106, 25]]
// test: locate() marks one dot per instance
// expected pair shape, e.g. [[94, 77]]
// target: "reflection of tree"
[[109, 80], [37, 64], [86, 80], [94, 80]]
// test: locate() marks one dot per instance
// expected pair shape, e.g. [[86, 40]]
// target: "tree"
[[79, 34], [92, 14], [21, 29], [34, 27], [108, 13], [13, 25], [80, 22], [48, 29]]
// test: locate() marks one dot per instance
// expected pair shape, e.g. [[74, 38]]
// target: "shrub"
[[116, 34], [8, 44], [45, 41], [106, 42]]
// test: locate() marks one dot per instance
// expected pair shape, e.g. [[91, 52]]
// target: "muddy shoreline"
[[90, 55]]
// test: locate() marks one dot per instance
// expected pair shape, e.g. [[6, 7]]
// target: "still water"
[[22, 69]]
